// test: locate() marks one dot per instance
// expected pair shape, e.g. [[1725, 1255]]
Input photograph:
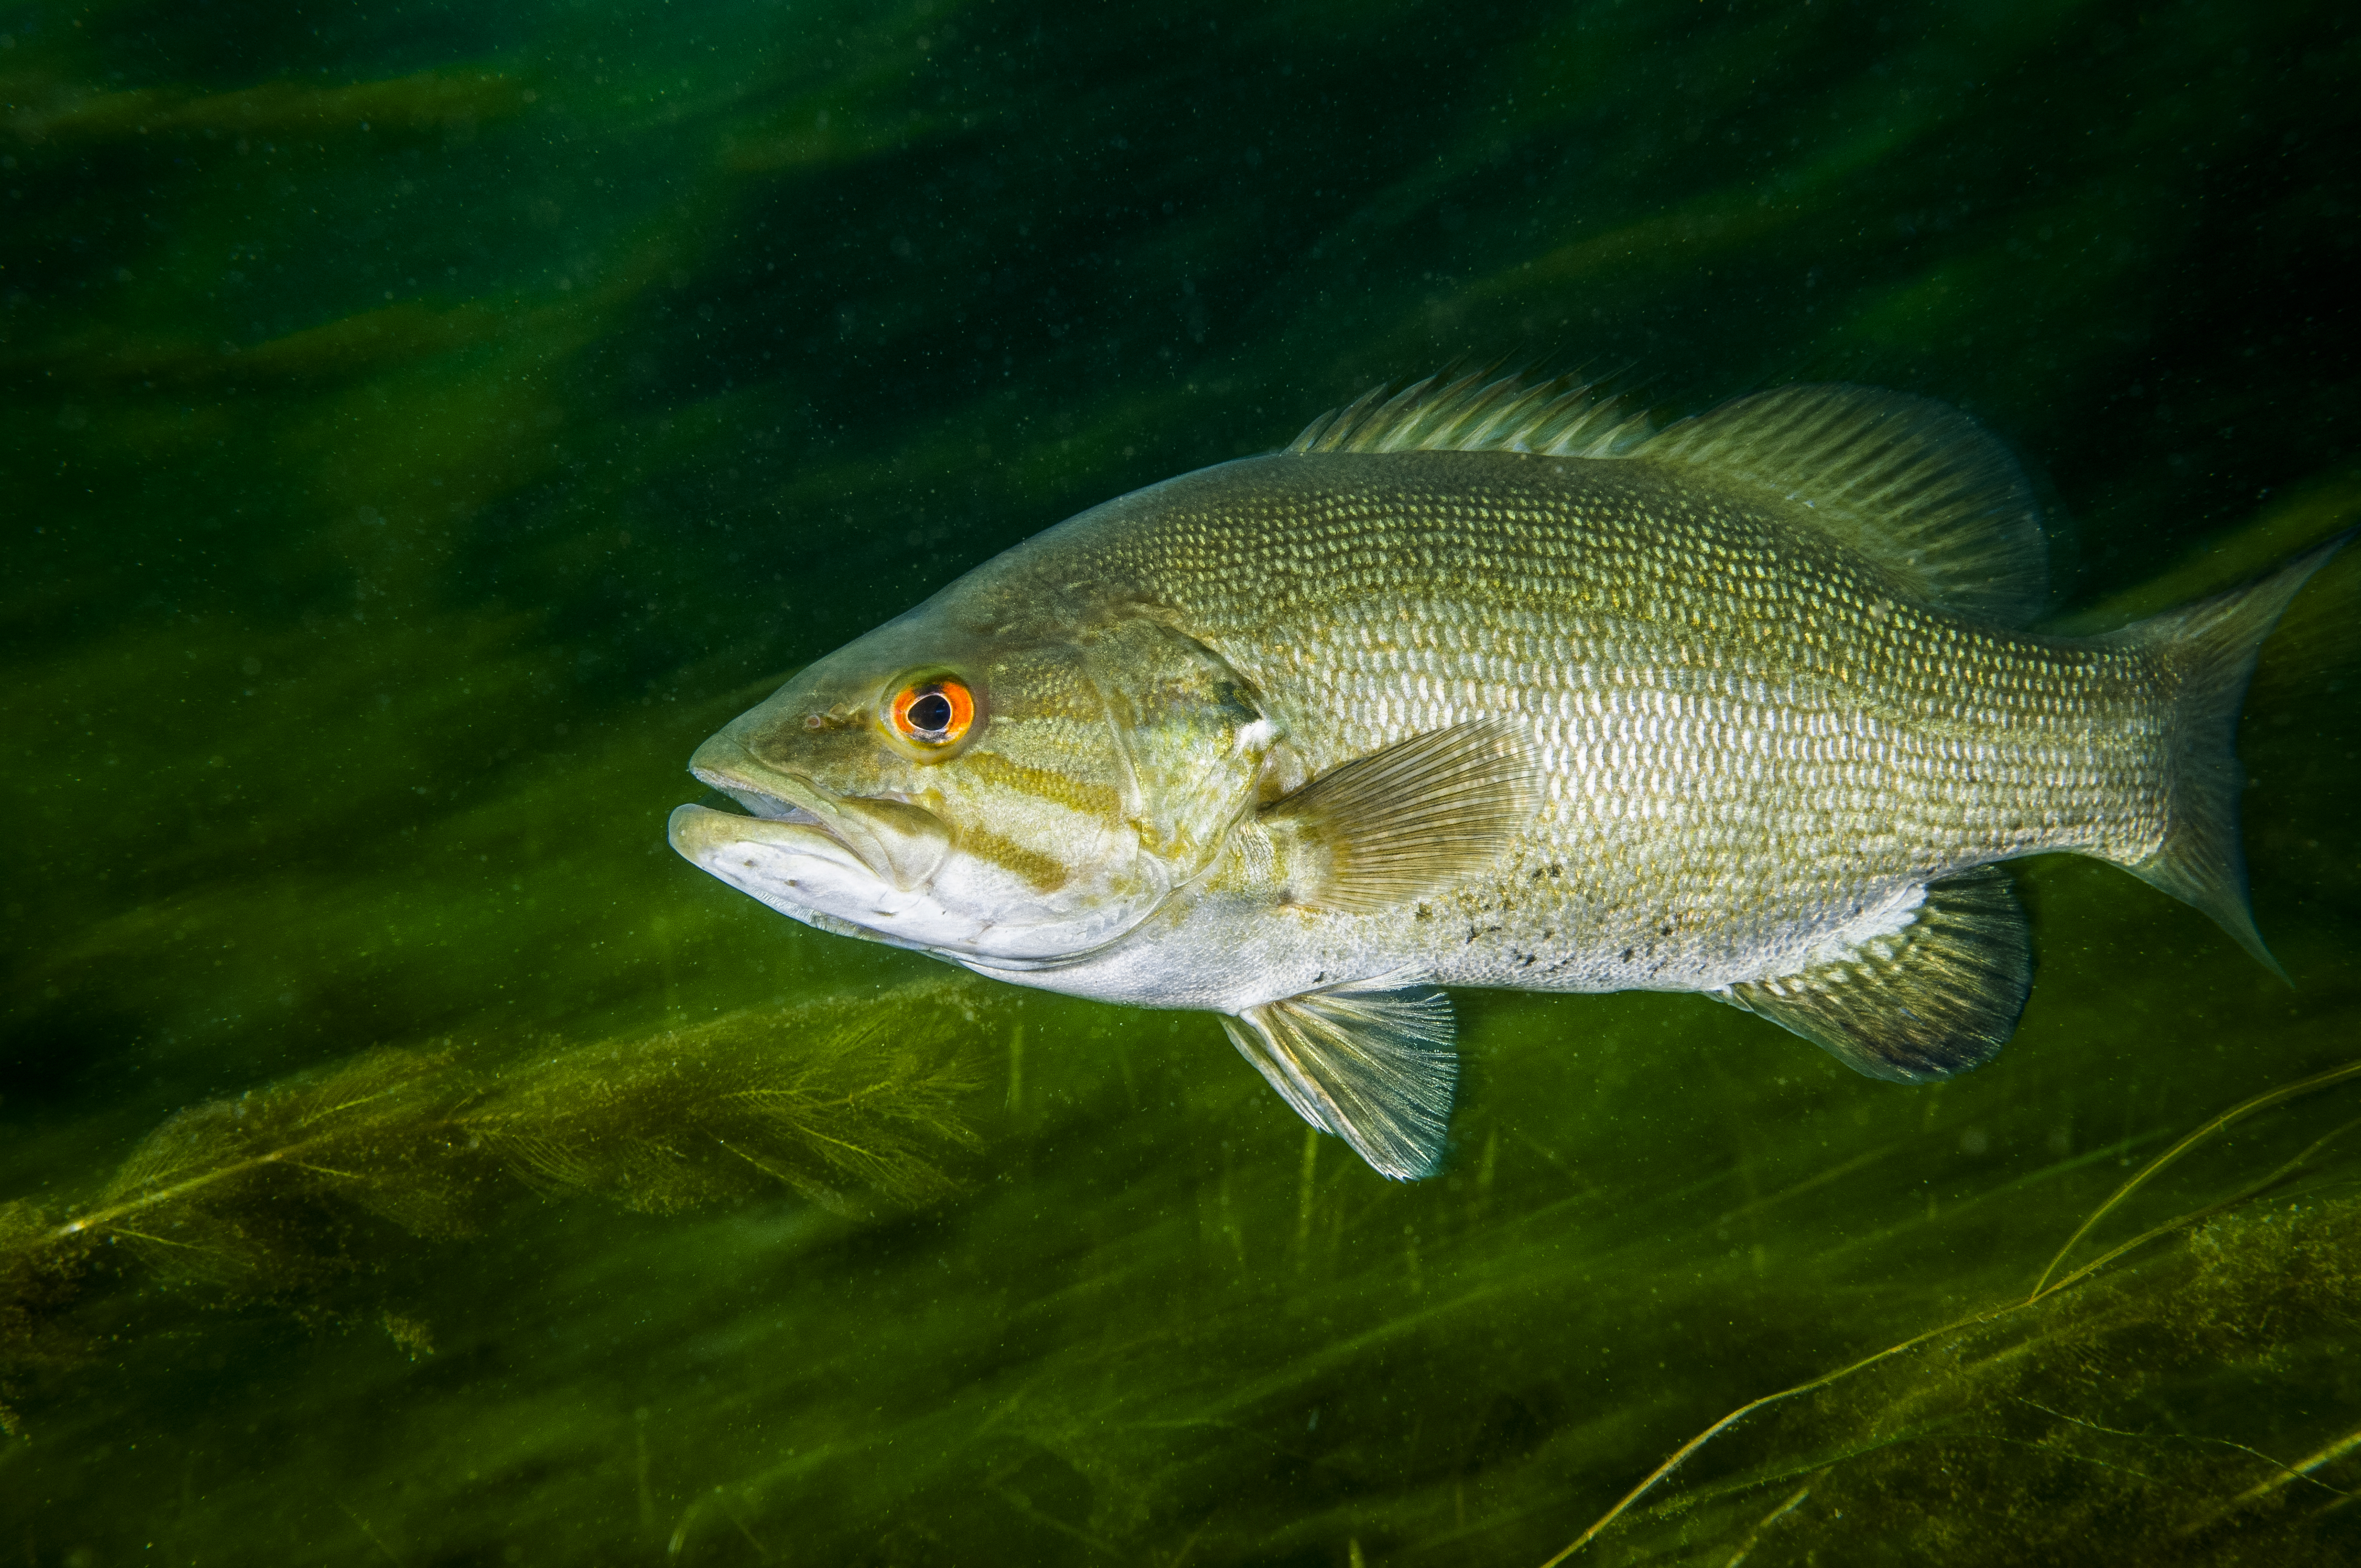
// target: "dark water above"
[[426, 422]]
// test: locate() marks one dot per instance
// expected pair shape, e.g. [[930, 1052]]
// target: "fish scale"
[[1681, 739], [1484, 683]]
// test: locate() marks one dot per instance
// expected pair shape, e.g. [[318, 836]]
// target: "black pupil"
[[931, 712]]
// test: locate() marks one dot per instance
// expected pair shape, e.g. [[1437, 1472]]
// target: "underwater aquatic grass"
[[2054, 1424], [2346, 1216], [853, 1106], [1154, 1325]]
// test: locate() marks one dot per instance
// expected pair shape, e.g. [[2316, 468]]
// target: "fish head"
[[1012, 778]]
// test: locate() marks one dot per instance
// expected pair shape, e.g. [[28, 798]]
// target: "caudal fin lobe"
[[2209, 648]]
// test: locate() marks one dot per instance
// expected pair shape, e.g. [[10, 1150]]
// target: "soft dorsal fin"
[[1939, 997], [1384, 829], [1481, 410], [1374, 1067], [1914, 485]]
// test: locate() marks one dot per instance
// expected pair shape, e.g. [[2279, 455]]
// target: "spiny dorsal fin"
[[1374, 1067], [1914, 485], [1481, 410], [1380, 830], [1939, 996]]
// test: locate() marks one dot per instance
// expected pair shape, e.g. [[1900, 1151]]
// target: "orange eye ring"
[[933, 713]]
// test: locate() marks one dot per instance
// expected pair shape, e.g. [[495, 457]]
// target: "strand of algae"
[[844, 1102], [2239, 1113], [2299, 1471], [2045, 1287]]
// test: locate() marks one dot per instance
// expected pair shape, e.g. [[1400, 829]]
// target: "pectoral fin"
[[1939, 996], [1376, 1068], [1382, 831]]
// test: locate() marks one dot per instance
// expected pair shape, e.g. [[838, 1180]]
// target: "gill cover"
[[995, 776], [1192, 734]]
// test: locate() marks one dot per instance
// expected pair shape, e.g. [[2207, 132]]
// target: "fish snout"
[[900, 844]]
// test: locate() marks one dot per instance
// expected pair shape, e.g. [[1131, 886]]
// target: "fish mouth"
[[895, 842], [877, 867], [767, 807]]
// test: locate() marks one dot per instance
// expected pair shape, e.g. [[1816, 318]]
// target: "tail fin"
[[2212, 645]]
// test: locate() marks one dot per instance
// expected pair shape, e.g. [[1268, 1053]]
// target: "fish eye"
[[932, 713]]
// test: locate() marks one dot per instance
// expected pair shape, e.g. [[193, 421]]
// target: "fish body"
[[1486, 684]]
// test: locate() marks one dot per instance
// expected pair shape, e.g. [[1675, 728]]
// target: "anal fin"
[[1377, 1067], [1939, 996]]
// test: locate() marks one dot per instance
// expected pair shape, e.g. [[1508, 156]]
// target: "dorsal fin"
[[1914, 485], [1481, 410]]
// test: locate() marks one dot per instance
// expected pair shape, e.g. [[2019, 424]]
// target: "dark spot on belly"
[[1665, 929], [1628, 954]]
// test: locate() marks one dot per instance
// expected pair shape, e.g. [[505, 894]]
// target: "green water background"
[[423, 423]]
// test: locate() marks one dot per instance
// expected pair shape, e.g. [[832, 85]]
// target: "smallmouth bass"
[[1489, 683]]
